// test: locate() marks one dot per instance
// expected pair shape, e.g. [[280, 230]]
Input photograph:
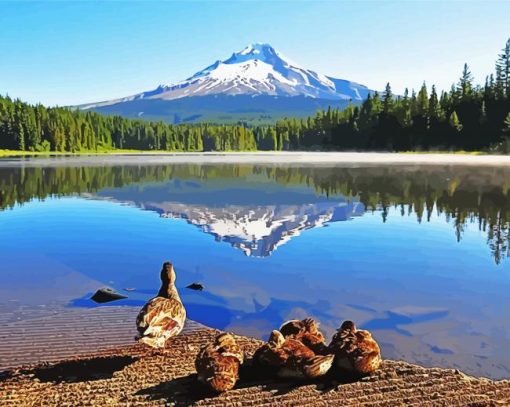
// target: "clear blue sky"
[[58, 52]]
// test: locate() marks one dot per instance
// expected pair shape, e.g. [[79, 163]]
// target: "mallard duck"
[[355, 350], [306, 331], [218, 363], [164, 315], [291, 358]]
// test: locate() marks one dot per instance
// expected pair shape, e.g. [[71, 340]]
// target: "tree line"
[[467, 117], [38, 128]]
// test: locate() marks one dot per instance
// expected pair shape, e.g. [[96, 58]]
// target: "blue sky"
[[59, 52]]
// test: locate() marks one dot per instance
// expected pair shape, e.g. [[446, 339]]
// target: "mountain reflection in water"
[[281, 201], [416, 254]]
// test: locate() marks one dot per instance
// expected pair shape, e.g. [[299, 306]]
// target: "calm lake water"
[[418, 255]]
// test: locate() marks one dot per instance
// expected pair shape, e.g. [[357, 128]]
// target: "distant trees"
[[36, 128]]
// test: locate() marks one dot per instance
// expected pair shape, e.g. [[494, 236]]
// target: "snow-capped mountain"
[[256, 71]]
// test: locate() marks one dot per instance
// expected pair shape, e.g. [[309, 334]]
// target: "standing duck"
[[355, 350], [291, 358], [164, 315], [306, 331], [218, 363]]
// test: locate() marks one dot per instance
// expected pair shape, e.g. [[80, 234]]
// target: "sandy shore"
[[88, 357], [136, 375], [283, 158]]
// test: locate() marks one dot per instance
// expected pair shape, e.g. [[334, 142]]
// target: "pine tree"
[[503, 71], [506, 124], [434, 106], [465, 85], [388, 99], [422, 101], [455, 122]]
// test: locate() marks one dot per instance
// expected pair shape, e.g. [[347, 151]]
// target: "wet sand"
[[67, 332], [284, 158], [133, 374]]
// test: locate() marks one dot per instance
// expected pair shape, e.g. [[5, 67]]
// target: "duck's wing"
[[268, 356], [296, 349], [160, 319], [315, 342], [317, 366], [302, 362], [367, 357], [220, 373]]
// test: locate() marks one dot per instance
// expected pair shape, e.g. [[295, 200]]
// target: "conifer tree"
[[387, 99], [455, 122], [503, 71], [465, 86], [422, 101]]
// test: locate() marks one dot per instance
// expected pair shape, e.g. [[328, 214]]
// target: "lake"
[[416, 254]]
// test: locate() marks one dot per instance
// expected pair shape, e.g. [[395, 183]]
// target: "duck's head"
[[168, 273], [292, 327], [348, 326], [311, 325], [276, 338]]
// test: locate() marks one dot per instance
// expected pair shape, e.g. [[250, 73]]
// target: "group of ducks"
[[297, 350]]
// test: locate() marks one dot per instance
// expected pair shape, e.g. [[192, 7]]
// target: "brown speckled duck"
[[355, 350], [218, 363], [290, 358], [164, 315], [306, 331]]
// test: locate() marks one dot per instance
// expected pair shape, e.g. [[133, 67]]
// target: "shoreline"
[[137, 375], [261, 157]]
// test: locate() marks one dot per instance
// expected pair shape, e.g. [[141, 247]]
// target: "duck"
[[163, 316], [355, 350], [218, 363], [306, 331], [291, 358]]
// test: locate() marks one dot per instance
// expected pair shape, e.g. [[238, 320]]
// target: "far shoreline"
[[260, 157]]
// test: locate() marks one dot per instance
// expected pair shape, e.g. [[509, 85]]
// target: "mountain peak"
[[256, 48], [258, 69], [257, 51]]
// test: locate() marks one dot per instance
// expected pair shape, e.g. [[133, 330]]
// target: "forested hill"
[[467, 117]]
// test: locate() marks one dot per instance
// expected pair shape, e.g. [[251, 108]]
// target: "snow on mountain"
[[256, 70]]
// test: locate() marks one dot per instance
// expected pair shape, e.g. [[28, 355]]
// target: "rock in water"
[[106, 294], [195, 286]]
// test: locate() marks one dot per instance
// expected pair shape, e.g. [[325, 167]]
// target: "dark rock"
[[106, 294], [195, 286]]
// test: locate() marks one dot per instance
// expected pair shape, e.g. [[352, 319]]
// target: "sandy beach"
[[280, 158], [137, 375]]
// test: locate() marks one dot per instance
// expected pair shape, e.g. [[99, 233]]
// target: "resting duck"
[[306, 331], [291, 358], [355, 350], [164, 315], [218, 363]]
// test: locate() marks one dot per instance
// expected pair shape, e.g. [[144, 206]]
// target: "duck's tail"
[[368, 363], [156, 336], [318, 366]]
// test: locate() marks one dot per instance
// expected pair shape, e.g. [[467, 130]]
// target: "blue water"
[[426, 296]]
